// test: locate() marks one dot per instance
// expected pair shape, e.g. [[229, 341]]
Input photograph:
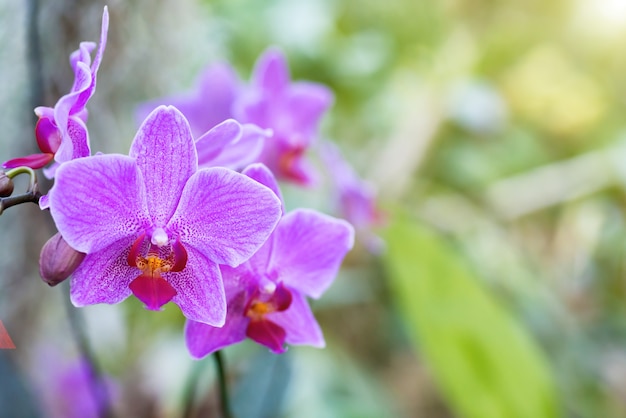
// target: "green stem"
[[24, 170], [32, 195], [7, 202], [221, 377]]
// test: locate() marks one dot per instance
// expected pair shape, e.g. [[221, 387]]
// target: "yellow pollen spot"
[[258, 309], [153, 265]]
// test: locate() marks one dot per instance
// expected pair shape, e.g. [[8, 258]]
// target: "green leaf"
[[486, 364]]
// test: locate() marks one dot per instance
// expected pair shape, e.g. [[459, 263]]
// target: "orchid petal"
[[51, 170], [44, 112], [98, 200], [207, 105], [154, 292], [224, 214], [281, 299], [260, 173], [82, 55], [200, 289], [216, 90], [166, 156], [44, 202], [212, 143], [308, 250], [104, 275], [299, 323], [34, 161], [85, 92], [75, 143], [267, 333], [66, 105], [307, 103], [237, 279], [203, 339], [271, 71], [48, 135], [244, 151]]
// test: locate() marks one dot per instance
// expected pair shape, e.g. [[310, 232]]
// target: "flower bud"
[[6, 185], [58, 260]]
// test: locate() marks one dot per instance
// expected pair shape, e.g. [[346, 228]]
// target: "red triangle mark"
[[6, 343]]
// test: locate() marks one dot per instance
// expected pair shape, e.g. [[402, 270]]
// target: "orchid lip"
[[267, 299], [262, 302], [150, 286]]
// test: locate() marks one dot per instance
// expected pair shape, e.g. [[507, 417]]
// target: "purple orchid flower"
[[292, 110], [61, 131], [208, 104], [287, 113], [356, 198], [220, 140], [153, 225], [267, 294]]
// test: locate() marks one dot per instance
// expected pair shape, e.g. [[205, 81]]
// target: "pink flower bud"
[[58, 260], [6, 185]]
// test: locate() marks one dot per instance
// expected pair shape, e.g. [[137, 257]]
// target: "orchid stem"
[[24, 170], [7, 202], [32, 195], [97, 384], [223, 387]]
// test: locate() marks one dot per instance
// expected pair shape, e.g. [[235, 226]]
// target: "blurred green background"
[[494, 132]]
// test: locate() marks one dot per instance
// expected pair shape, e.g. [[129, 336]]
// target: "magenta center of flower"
[[150, 287], [287, 163], [264, 301]]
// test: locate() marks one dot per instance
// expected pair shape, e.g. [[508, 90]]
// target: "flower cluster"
[[194, 214]]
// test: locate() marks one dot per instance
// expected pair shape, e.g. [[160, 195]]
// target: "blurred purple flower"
[[267, 294], [153, 225], [207, 104], [220, 141], [61, 131], [288, 114], [356, 199], [70, 390], [292, 110]]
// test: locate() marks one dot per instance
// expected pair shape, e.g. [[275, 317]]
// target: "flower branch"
[[6, 188]]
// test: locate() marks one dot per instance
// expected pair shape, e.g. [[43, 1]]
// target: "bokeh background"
[[494, 132]]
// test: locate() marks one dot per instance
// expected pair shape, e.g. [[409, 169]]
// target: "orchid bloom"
[[207, 104], [61, 131], [220, 140], [280, 118], [267, 294], [153, 225], [292, 110]]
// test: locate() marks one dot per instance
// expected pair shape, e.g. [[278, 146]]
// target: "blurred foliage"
[[486, 364]]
